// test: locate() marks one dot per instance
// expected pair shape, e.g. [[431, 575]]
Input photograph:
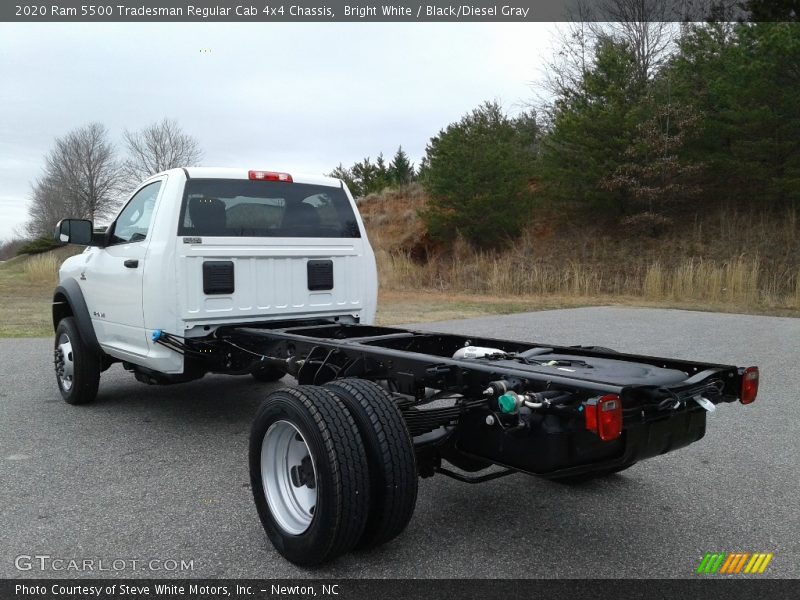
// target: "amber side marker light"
[[749, 385], [269, 176]]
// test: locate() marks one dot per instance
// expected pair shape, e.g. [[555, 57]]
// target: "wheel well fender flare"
[[68, 301]]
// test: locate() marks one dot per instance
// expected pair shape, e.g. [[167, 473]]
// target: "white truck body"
[[165, 290]]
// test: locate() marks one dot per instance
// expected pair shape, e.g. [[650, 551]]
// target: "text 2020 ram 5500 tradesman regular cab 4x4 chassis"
[[263, 273]]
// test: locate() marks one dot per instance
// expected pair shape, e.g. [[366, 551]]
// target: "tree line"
[[365, 177], [85, 177], [638, 123]]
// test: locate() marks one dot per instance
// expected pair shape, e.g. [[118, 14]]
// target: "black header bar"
[[399, 589], [265, 11]]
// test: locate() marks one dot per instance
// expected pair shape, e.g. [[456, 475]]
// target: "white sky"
[[294, 97]]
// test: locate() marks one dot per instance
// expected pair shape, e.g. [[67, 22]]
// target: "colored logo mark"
[[726, 563]]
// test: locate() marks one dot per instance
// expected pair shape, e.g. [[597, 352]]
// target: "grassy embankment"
[[724, 261], [26, 290], [721, 260]]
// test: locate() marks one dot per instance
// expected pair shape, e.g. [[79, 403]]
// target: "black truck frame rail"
[[523, 406]]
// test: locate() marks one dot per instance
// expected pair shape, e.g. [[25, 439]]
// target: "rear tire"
[[309, 474], [77, 366], [267, 373], [390, 456]]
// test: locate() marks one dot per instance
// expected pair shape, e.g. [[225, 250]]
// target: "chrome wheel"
[[64, 362], [289, 476]]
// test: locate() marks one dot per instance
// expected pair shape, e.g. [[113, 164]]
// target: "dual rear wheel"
[[332, 469]]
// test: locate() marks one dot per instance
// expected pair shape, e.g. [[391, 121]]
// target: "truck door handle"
[[131, 263]]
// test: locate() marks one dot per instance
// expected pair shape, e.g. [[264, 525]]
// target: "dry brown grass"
[[43, 268], [392, 220], [26, 292], [25, 306], [408, 307], [797, 289], [739, 282], [730, 260], [402, 307], [736, 280], [475, 272]]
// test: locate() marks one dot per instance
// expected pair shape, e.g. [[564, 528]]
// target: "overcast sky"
[[294, 97]]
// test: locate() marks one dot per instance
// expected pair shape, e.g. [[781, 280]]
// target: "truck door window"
[[133, 222]]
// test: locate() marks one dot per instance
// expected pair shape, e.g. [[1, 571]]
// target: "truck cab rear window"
[[245, 208]]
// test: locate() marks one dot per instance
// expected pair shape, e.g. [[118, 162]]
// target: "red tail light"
[[749, 385], [270, 176], [604, 417]]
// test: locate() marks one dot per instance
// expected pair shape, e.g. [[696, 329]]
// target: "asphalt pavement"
[[159, 473]]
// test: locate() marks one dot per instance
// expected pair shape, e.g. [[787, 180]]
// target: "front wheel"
[[77, 367], [309, 474]]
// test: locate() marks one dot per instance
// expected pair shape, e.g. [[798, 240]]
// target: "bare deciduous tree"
[[647, 27], [8, 249], [156, 148], [80, 180], [84, 168], [572, 57], [47, 207]]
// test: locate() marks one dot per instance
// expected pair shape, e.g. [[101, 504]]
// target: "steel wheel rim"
[[65, 363], [289, 476]]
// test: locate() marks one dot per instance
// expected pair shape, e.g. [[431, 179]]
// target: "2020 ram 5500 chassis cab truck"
[[261, 273]]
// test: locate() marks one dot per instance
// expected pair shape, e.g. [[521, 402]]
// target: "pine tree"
[[346, 175], [477, 174], [382, 176], [592, 131], [401, 169], [366, 174]]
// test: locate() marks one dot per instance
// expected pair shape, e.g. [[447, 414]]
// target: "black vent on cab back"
[[218, 277], [320, 275]]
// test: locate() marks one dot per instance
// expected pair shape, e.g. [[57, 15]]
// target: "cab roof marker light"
[[269, 176]]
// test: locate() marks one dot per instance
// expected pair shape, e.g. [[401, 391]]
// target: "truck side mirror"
[[74, 231]]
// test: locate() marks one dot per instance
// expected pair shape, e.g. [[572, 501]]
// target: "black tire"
[[390, 456], [267, 373], [586, 477], [341, 476], [70, 350]]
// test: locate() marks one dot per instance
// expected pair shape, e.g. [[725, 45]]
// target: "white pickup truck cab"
[[197, 248]]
